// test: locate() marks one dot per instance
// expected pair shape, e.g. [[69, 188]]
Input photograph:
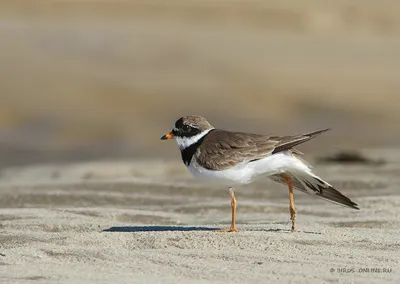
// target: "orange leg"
[[291, 200], [233, 205]]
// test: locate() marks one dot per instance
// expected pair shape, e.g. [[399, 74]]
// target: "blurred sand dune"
[[90, 79]]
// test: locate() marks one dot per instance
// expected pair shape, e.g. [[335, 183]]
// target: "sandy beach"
[[88, 192], [150, 222]]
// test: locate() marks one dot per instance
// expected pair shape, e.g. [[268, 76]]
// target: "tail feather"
[[311, 184]]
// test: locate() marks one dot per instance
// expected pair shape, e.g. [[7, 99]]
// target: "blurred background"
[[90, 80]]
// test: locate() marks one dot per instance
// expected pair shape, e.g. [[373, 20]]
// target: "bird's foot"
[[231, 229]]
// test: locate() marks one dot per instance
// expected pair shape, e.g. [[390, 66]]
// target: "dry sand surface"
[[150, 222]]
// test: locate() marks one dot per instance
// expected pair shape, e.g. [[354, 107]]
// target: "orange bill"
[[168, 136]]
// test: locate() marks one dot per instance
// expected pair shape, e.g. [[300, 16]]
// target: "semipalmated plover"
[[239, 157]]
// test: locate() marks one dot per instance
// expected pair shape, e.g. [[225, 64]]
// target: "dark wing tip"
[[333, 195], [293, 141], [316, 133]]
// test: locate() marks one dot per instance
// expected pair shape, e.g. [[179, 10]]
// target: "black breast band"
[[188, 152]]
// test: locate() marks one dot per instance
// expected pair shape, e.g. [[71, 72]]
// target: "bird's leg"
[[233, 205], [289, 182]]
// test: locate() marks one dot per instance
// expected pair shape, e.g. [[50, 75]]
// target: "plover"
[[239, 157]]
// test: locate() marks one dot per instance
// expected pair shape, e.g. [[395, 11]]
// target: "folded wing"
[[229, 149]]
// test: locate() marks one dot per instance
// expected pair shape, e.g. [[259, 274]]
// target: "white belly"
[[245, 172]]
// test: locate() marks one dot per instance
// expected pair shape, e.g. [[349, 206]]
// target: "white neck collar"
[[184, 142]]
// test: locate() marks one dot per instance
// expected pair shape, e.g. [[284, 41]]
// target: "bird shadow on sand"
[[130, 229], [136, 229]]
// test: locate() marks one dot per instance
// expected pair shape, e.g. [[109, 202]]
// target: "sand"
[[150, 222]]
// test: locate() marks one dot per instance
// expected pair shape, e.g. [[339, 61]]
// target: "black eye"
[[186, 127]]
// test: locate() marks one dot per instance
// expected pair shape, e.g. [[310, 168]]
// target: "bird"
[[238, 157]]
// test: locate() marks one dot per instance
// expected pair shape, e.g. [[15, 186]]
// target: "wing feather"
[[227, 149]]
